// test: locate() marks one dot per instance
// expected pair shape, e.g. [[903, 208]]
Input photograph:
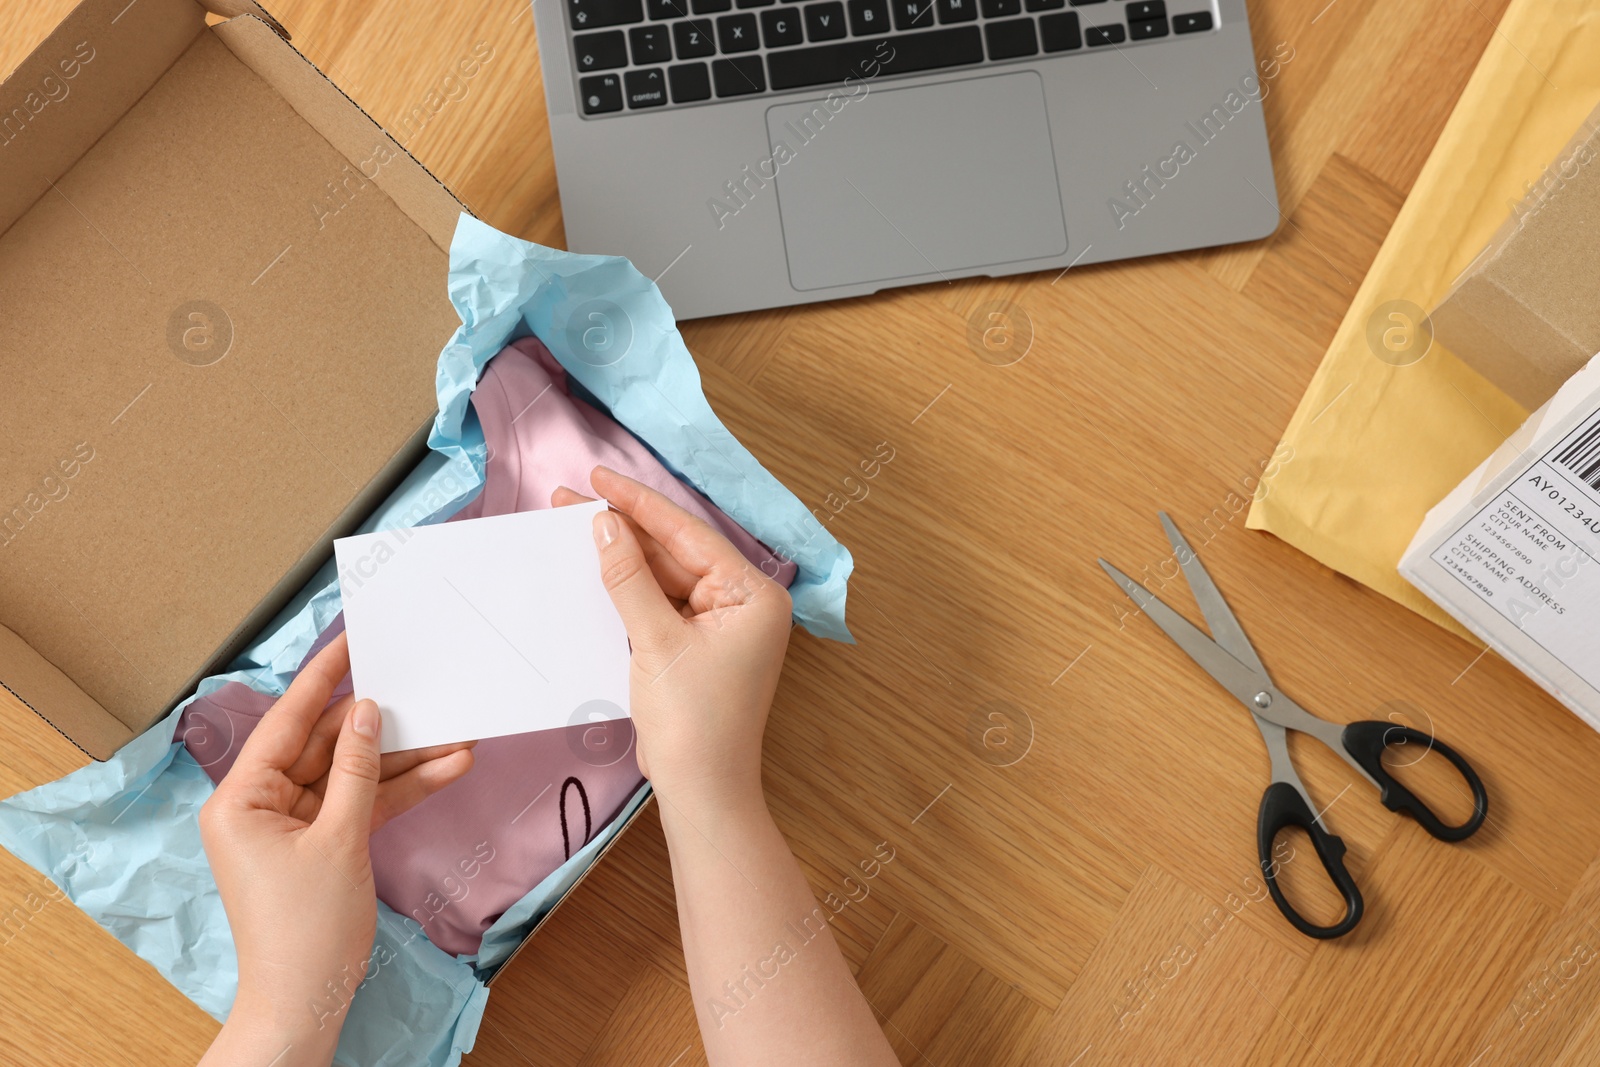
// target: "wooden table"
[[1072, 880]]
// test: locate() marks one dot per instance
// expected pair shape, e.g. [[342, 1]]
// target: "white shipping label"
[[1532, 552]]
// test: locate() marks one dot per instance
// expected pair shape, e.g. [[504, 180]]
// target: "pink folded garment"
[[456, 861]]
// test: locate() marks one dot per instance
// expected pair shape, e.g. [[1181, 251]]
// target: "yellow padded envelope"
[[1376, 445]]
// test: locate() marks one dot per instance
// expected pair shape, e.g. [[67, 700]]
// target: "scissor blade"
[[1225, 628], [1237, 678]]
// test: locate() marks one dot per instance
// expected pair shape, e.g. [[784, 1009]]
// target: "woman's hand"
[[708, 631], [286, 833]]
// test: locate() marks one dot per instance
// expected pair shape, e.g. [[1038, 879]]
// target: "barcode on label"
[[1582, 455]]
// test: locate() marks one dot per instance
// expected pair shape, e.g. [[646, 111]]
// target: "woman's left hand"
[[286, 833]]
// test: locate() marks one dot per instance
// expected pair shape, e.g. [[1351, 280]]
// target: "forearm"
[[257, 1034], [769, 983]]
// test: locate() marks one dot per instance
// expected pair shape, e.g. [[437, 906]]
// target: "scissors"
[[1232, 661]]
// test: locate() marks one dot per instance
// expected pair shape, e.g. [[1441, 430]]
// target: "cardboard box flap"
[[230, 9], [371, 152], [37, 683], [226, 360], [51, 114]]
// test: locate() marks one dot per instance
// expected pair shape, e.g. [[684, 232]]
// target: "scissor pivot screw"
[[1263, 700]]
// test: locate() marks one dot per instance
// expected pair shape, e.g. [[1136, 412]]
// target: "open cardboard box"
[[224, 300]]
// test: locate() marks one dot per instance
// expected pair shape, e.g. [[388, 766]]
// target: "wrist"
[[293, 1030], [712, 800], [707, 796]]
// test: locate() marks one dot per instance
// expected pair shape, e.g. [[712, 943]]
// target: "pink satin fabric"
[[456, 861]]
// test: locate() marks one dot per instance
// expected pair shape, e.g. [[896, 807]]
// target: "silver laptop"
[[758, 153]]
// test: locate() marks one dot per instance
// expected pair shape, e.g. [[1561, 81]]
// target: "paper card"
[[483, 627]]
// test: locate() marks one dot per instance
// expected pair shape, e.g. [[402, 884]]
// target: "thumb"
[[353, 777], [646, 613]]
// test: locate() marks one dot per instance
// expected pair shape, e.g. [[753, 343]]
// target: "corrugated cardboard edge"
[[344, 124], [562, 899], [231, 9], [74, 714]]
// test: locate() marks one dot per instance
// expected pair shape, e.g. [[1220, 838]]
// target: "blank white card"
[[483, 627]]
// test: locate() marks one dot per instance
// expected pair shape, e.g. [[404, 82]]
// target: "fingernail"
[[365, 718], [605, 528]]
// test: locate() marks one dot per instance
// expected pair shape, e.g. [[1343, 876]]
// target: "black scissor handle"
[[1365, 741], [1282, 805]]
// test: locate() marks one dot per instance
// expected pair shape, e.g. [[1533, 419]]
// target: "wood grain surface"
[[1071, 804]]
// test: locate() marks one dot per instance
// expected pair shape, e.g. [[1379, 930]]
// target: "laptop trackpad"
[[895, 183]]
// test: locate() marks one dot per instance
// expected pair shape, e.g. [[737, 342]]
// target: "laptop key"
[[1060, 32], [650, 44], [740, 77], [913, 14], [999, 9], [710, 7], [666, 9], [1144, 31], [1046, 5], [833, 63], [600, 51], [600, 93], [957, 10], [825, 22], [693, 39], [1145, 10], [737, 33], [1099, 35], [1198, 22], [868, 17], [1008, 40], [645, 88], [689, 83], [592, 14], [742, 4], [781, 28], [1080, 3]]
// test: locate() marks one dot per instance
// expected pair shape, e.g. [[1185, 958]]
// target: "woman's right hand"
[[708, 632]]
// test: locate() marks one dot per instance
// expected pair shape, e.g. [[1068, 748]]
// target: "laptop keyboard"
[[632, 55]]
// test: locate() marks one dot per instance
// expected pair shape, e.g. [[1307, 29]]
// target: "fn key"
[[600, 93]]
